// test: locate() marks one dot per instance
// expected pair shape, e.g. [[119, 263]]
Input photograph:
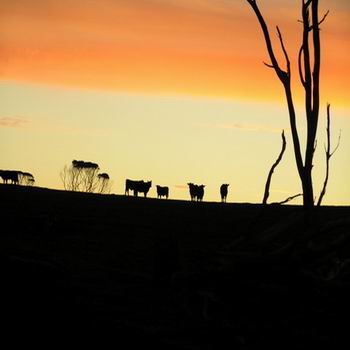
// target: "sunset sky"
[[172, 91]]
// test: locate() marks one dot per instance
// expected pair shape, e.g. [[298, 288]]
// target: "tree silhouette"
[[309, 63], [104, 185], [26, 179], [80, 176]]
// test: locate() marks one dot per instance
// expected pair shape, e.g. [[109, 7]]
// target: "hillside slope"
[[173, 274]]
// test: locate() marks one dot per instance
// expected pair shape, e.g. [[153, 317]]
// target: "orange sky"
[[203, 48]]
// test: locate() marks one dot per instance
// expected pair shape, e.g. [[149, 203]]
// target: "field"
[[170, 274]]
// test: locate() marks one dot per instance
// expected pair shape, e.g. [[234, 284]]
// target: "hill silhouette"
[[172, 274]]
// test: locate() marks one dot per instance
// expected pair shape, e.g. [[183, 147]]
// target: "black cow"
[[10, 175], [193, 189], [196, 191], [223, 192], [200, 192], [137, 186], [162, 191]]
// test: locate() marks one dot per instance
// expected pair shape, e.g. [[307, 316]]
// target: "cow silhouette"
[[137, 186], [196, 192], [162, 191], [10, 175], [200, 192], [223, 192]]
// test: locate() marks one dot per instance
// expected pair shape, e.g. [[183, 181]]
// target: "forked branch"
[[274, 63], [329, 154]]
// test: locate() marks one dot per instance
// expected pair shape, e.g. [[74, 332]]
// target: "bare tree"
[[64, 175], [26, 179], [309, 62], [89, 172], [80, 176], [104, 184], [71, 178]]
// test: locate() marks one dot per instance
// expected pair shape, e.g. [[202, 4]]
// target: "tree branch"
[[320, 22], [280, 73], [284, 50], [288, 199], [311, 93], [285, 79], [268, 181], [316, 67], [338, 143], [307, 3], [323, 18], [268, 65], [300, 67]]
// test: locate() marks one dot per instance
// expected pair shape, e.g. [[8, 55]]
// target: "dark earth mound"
[[84, 268]]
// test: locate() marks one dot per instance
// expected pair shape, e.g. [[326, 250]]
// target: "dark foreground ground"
[[80, 269]]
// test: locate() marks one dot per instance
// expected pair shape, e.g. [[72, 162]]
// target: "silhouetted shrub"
[[83, 176], [26, 179], [104, 184]]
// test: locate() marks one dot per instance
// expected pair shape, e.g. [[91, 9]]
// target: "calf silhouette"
[[162, 191], [137, 186], [223, 192], [196, 192]]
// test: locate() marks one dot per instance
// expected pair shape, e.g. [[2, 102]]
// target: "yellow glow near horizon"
[[169, 140]]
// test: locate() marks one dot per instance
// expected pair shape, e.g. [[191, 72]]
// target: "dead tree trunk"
[[309, 72]]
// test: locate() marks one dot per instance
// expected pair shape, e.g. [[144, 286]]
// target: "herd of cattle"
[[17, 177], [196, 191]]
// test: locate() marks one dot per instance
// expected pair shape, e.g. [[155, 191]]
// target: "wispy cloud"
[[249, 127], [181, 187], [13, 122], [49, 126], [244, 127], [282, 191]]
